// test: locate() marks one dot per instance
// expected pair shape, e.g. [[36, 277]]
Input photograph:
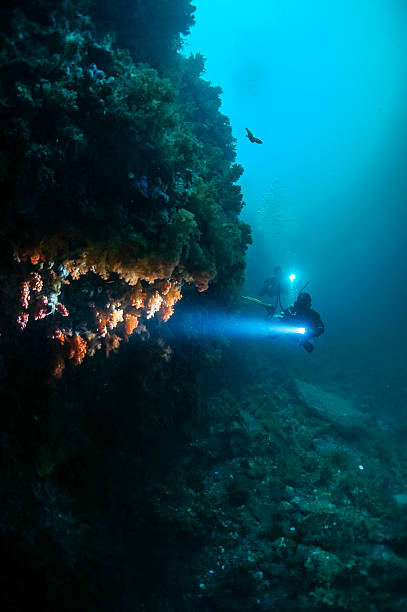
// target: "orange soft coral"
[[59, 336], [115, 315], [35, 258], [77, 348], [137, 296], [171, 297], [130, 322], [130, 288], [154, 304]]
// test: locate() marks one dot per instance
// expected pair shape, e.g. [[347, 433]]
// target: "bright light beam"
[[287, 329], [215, 324]]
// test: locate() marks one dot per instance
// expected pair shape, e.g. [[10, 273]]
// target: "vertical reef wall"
[[117, 173], [119, 199]]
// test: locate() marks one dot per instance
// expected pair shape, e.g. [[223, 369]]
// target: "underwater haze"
[[177, 435], [324, 85]]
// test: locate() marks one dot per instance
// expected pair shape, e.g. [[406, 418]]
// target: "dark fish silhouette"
[[253, 138]]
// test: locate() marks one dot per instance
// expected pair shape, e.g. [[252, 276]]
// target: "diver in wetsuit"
[[301, 315], [305, 323], [274, 287]]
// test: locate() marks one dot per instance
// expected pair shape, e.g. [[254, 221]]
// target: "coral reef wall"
[[116, 169], [150, 29], [119, 198]]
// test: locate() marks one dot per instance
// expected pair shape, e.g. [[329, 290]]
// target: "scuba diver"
[[301, 315], [299, 319], [272, 285], [275, 286]]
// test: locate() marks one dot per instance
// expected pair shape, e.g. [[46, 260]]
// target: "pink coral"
[[36, 282], [25, 294], [61, 309], [41, 306], [22, 319]]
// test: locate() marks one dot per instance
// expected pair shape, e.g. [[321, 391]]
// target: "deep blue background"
[[324, 85]]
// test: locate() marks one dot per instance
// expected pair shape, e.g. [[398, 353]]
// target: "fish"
[[253, 138]]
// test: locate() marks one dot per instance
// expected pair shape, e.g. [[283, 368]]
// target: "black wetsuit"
[[307, 318]]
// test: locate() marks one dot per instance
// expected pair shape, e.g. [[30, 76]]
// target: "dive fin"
[[269, 307]]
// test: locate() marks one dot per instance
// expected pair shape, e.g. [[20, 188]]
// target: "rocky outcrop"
[[331, 407]]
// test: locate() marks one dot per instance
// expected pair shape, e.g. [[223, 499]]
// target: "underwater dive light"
[[287, 329], [292, 277]]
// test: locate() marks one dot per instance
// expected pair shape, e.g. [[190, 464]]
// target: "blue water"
[[324, 86]]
